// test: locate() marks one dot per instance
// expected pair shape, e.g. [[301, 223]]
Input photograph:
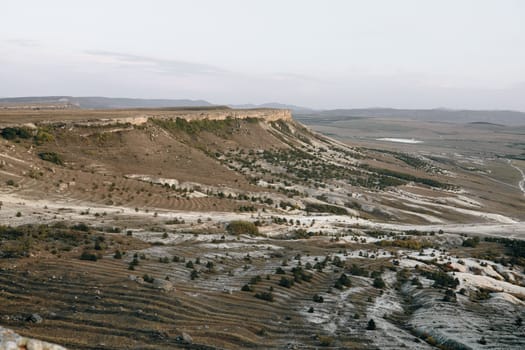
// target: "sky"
[[318, 54]]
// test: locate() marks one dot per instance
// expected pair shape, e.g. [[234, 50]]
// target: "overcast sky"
[[322, 54]]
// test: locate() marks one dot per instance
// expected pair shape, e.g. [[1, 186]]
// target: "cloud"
[[158, 65]]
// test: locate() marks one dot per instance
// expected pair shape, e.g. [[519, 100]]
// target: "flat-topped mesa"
[[265, 114], [136, 116]]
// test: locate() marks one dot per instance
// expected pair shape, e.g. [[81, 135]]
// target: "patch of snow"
[[399, 140], [486, 282]]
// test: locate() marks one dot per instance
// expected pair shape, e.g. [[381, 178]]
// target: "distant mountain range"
[[294, 108], [96, 102], [303, 114]]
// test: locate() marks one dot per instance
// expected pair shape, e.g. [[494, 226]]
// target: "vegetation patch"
[[16, 132], [407, 243], [441, 279], [407, 177], [51, 157], [325, 208], [221, 128], [240, 227]]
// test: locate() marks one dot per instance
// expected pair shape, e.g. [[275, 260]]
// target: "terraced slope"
[[117, 230]]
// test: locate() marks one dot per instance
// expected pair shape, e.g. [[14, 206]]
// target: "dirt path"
[[521, 184]]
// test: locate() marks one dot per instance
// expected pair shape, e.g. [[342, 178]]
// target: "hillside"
[[218, 228]]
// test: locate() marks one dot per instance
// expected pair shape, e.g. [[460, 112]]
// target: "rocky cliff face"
[[142, 117], [134, 116], [221, 114]]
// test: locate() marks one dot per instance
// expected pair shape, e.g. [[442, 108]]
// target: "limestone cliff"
[[136, 116]]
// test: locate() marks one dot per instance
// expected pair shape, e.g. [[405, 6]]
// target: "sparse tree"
[[371, 325]]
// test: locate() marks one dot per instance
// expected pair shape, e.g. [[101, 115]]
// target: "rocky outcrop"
[[87, 118], [10, 340], [142, 117]]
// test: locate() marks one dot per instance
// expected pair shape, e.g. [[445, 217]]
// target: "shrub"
[[371, 325], [133, 263], [325, 208], [9, 133], [279, 271], [51, 157], [80, 227], [450, 296], [379, 283], [247, 288], [97, 245], [117, 255], [471, 242], [88, 256], [318, 298], [42, 137], [358, 271], [13, 133], [479, 295], [148, 278], [285, 282], [240, 227], [442, 279], [300, 275], [268, 296], [343, 281], [408, 243]]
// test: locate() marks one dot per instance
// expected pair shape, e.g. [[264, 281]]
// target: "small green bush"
[[379, 283], [371, 325], [88, 256], [240, 227], [325, 208], [247, 288], [343, 281], [285, 282], [15, 132], [318, 298], [471, 242], [42, 137], [280, 271], [268, 296], [51, 157]]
